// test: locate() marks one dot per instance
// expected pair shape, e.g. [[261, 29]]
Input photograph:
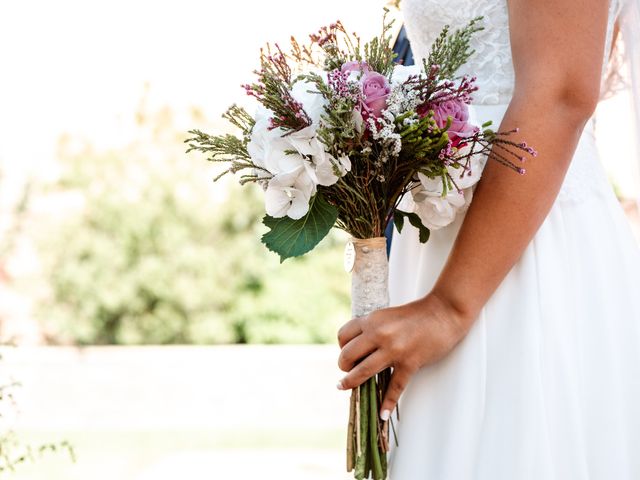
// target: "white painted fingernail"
[[339, 385], [384, 415]]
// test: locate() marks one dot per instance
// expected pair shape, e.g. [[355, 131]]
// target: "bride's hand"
[[406, 338]]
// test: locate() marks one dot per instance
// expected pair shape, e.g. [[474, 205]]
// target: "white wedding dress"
[[546, 385]]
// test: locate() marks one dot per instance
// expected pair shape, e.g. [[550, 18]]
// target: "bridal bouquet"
[[342, 136]]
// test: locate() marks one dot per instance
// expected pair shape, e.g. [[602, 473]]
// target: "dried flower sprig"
[[272, 90], [332, 46], [451, 51]]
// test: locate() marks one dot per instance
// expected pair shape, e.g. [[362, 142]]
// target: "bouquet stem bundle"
[[368, 436]]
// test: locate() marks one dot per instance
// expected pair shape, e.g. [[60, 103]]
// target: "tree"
[[156, 255]]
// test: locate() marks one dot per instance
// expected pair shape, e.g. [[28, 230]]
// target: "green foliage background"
[[158, 254]]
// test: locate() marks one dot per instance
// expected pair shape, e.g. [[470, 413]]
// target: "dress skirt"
[[546, 385]]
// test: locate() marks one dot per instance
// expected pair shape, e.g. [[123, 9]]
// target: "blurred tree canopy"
[[156, 253]]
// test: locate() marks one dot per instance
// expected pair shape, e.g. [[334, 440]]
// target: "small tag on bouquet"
[[349, 256]]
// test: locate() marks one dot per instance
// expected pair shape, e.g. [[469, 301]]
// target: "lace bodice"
[[491, 62], [492, 65]]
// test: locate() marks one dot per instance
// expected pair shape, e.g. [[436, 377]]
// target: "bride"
[[514, 333]]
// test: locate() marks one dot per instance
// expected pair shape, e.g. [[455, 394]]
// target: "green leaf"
[[398, 220], [414, 219], [292, 238]]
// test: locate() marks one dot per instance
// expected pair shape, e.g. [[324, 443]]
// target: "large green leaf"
[[292, 238], [414, 219]]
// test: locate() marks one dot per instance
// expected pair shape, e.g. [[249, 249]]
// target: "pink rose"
[[459, 113], [376, 90], [355, 66]]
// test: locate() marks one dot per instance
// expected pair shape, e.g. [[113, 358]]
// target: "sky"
[[78, 66], [81, 67]]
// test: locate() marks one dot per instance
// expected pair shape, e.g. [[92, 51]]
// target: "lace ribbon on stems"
[[370, 276], [368, 436]]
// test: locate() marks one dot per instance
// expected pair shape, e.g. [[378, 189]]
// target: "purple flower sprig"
[[499, 148], [340, 86], [433, 93]]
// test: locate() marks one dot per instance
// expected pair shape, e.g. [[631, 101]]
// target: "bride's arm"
[[557, 47], [557, 55]]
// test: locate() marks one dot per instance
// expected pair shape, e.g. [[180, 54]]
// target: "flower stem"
[[376, 464], [351, 433], [361, 460]]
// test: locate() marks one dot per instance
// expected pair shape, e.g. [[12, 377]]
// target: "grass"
[[124, 455]]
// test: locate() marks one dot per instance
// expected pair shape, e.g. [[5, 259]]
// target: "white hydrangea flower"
[[317, 161], [401, 73], [297, 161], [312, 101], [344, 163], [358, 120], [261, 136], [289, 194], [436, 211]]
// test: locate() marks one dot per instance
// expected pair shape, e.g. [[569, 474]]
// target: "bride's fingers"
[[349, 330], [397, 384], [353, 351], [364, 370]]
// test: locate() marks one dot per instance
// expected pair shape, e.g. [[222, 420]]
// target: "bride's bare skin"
[[557, 48]]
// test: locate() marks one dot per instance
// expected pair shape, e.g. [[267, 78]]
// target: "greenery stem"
[[376, 464]]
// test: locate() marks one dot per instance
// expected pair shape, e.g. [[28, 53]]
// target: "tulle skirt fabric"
[[546, 385]]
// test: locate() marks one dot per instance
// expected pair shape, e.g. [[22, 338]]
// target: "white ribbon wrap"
[[370, 276]]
